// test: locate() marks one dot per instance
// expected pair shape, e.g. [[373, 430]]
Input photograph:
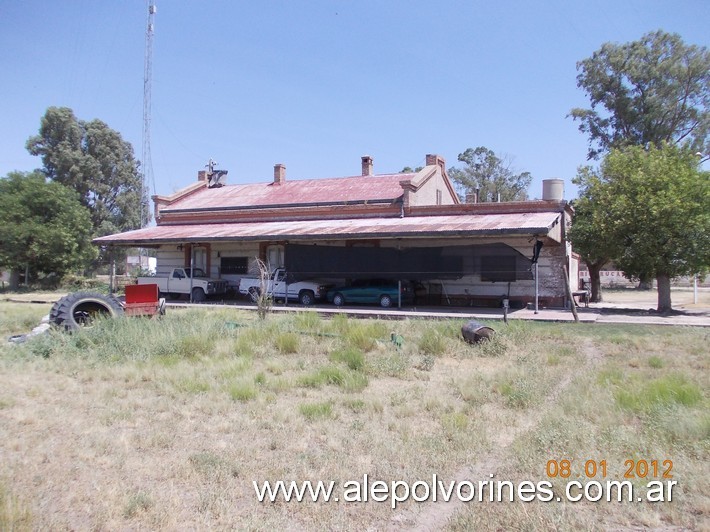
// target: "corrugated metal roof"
[[414, 226], [306, 191]]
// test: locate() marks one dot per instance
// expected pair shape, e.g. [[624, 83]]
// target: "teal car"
[[370, 291]]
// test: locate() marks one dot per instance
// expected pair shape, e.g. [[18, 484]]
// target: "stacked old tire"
[[81, 309]]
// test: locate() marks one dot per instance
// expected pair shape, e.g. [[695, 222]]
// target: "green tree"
[[43, 226], [591, 232], [489, 176], [651, 91], [653, 206], [98, 164]]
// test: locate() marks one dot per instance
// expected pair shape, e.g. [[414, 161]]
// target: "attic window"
[[438, 197]]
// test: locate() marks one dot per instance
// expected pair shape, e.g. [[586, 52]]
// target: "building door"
[[274, 257], [200, 255]]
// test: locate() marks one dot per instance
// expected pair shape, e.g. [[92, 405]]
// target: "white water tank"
[[553, 189]]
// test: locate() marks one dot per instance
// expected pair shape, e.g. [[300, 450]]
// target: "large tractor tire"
[[80, 309]]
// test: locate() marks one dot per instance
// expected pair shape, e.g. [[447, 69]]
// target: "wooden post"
[[112, 274]]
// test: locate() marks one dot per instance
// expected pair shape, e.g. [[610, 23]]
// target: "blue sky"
[[317, 84]]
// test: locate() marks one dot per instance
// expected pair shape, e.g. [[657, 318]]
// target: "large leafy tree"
[[95, 161], [653, 207], [651, 91], [489, 176], [43, 226]]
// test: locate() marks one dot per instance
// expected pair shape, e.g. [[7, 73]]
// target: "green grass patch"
[[355, 405], [15, 515], [314, 411], [432, 342], [193, 385], [242, 391], [645, 396], [352, 357], [517, 389], [655, 362], [213, 466], [354, 382], [308, 321], [348, 380], [475, 390], [137, 503], [21, 318], [454, 423], [391, 364], [364, 335], [287, 342], [243, 346]]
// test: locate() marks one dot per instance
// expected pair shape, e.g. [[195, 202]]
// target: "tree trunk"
[[595, 280], [14, 280], [664, 293], [645, 283], [570, 297]]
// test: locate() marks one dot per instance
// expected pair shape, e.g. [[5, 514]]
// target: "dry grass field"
[[165, 424]]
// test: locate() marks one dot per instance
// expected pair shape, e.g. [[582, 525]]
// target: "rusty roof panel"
[[308, 191], [415, 226]]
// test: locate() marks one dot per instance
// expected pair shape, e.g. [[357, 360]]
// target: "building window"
[[438, 197], [234, 265], [497, 269]]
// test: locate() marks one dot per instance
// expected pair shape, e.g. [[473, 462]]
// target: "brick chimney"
[[279, 174], [366, 165], [433, 160]]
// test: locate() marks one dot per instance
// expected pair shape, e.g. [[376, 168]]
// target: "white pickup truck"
[[306, 292], [179, 282]]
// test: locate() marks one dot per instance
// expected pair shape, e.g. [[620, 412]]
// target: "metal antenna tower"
[[148, 178]]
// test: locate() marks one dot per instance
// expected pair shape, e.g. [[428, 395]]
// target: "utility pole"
[[146, 162]]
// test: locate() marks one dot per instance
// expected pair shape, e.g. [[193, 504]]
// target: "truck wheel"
[[306, 297], [198, 295], [385, 301], [254, 293], [81, 309], [338, 300]]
